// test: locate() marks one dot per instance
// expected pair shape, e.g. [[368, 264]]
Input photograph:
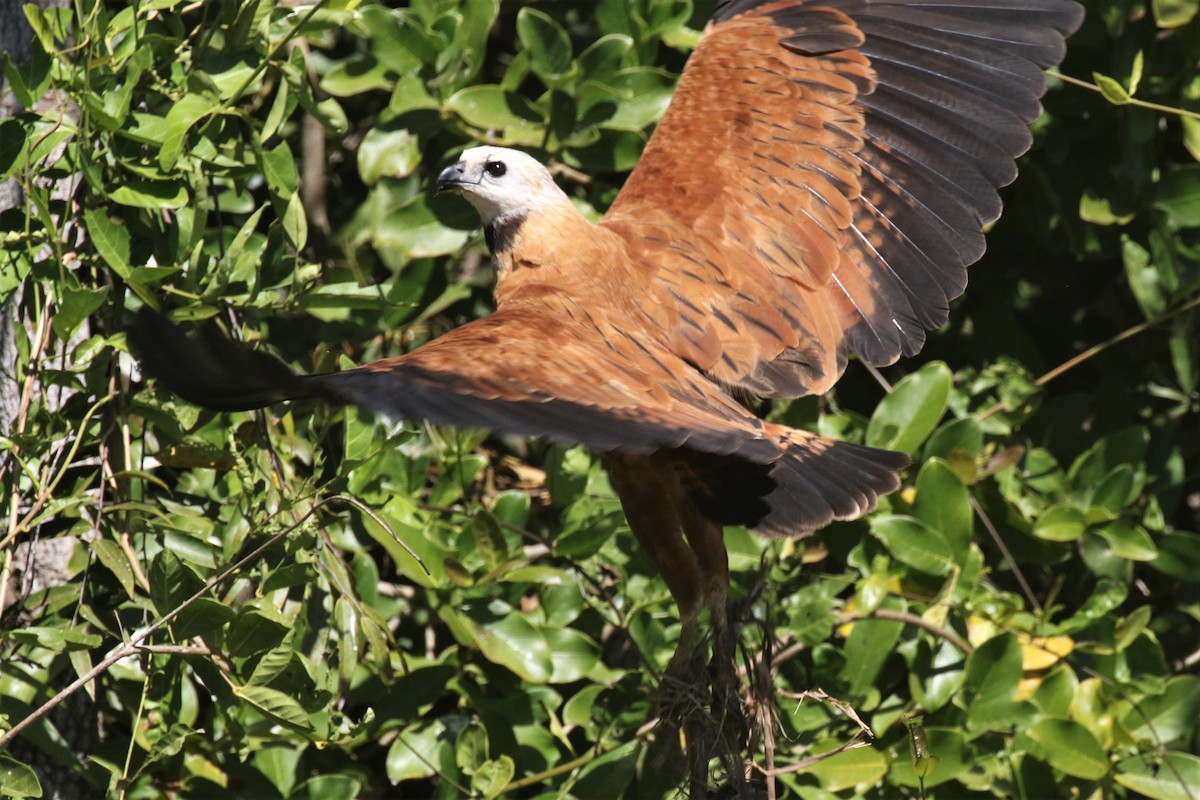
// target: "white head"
[[502, 184]]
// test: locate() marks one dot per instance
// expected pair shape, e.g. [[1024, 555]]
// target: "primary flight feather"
[[817, 187]]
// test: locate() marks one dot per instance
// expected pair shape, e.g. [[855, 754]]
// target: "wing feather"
[[823, 175], [521, 370]]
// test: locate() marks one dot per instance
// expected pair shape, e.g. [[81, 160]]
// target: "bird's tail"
[[814, 481], [211, 370]]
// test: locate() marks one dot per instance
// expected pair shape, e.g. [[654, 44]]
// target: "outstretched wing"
[[822, 177], [519, 371], [529, 371]]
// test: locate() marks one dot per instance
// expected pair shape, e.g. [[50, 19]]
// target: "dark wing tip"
[[209, 370], [832, 480]]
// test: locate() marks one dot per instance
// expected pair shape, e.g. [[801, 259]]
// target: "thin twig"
[[908, 618], [176, 649], [878, 376], [1187, 662], [1095, 350], [1008, 556], [1132, 101]]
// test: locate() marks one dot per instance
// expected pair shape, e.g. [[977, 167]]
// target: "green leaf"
[[275, 704], [1174, 776], [115, 561], [110, 238], [578, 710], [906, 417], [59, 639], [1116, 490], [186, 112], [546, 43], [388, 154], [171, 582], [944, 504], [273, 663], [605, 56], [1178, 555], [1177, 194], [1143, 278], [993, 672], [1167, 717], [1107, 596], [957, 441], [17, 779], [573, 654], [1137, 69], [155, 195], [857, 767], [870, 643], [76, 306], [1112, 89], [327, 787], [30, 80], [12, 147], [295, 222], [1174, 13], [511, 641], [492, 776], [1060, 523], [346, 615], [201, 617], [1056, 692], [253, 632], [1191, 137], [279, 169], [1130, 628], [914, 543], [1128, 540], [471, 747], [405, 525], [406, 230], [192, 548], [1104, 210], [415, 752], [1070, 748], [639, 96], [493, 108]]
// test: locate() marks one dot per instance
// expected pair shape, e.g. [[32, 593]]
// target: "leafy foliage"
[[468, 616]]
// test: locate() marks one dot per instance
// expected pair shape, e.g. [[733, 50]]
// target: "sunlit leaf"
[[17, 779], [275, 704], [915, 543], [492, 776], [906, 417]]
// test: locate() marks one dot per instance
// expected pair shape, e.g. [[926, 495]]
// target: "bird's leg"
[[707, 541], [653, 503]]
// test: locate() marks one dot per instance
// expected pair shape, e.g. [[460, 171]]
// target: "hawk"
[[817, 187]]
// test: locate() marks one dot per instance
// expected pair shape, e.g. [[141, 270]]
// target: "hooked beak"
[[451, 178]]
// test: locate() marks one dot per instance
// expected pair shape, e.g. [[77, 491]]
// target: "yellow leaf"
[[1040, 652]]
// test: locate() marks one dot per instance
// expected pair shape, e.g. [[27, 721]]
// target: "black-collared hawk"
[[818, 186]]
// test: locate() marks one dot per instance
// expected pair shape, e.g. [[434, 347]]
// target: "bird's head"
[[501, 183]]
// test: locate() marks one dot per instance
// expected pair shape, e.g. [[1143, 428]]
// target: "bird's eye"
[[495, 168]]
